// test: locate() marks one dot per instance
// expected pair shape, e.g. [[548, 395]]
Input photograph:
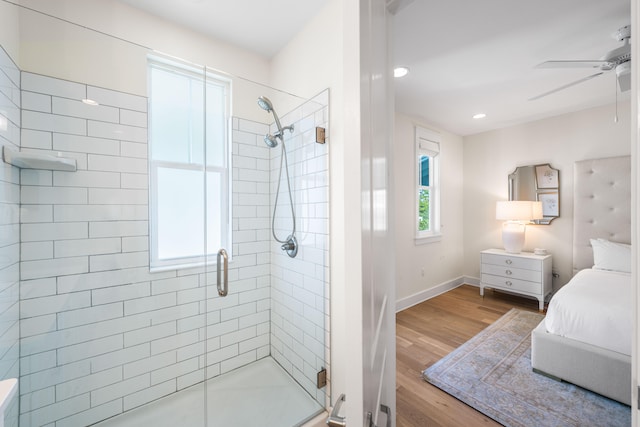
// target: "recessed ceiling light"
[[480, 116], [400, 72], [90, 102]]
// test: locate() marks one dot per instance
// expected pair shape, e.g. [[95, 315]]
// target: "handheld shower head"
[[265, 104], [270, 140]]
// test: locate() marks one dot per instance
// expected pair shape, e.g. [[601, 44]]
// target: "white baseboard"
[[410, 301], [472, 281]]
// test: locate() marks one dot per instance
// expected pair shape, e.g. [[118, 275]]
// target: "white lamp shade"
[[518, 210]]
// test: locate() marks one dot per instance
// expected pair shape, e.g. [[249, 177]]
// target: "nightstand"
[[524, 273]]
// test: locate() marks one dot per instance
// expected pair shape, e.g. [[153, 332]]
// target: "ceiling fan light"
[[623, 33]]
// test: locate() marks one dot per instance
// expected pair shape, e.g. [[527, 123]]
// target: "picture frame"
[[546, 176], [550, 205]]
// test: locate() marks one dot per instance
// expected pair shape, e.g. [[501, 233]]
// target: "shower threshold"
[[261, 393]]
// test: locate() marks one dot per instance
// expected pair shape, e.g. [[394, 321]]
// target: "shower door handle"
[[223, 286]]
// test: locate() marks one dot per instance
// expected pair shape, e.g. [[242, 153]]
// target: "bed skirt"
[[603, 371]]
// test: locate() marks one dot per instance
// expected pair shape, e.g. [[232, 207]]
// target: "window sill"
[[200, 267], [424, 240], [176, 267]]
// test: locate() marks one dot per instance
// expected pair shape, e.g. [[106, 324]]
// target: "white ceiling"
[[465, 56], [261, 26], [469, 56]]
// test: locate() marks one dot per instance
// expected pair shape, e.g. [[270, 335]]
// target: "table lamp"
[[516, 214]]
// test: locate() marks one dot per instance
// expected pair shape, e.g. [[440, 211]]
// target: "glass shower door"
[[268, 335]]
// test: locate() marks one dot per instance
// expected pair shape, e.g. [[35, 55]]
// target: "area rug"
[[492, 373]]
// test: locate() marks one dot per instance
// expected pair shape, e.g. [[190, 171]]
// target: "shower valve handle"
[[287, 246], [290, 246]]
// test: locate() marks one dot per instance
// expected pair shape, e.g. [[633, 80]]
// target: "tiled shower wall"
[[100, 334], [300, 285], [9, 229]]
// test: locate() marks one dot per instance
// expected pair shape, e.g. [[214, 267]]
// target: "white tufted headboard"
[[601, 205]]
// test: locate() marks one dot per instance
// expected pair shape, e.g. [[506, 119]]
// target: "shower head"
[[270, 140], [265, 104]]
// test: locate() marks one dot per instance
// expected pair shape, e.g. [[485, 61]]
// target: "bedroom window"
[[188, 165], [428, 185]]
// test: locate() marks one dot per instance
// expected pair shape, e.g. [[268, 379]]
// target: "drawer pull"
[[508, 261], [508, 283], [508, 272]]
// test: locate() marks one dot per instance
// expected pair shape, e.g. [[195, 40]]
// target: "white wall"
[[9, 33], [441, 261], [118, 19], [311, 61], [79, 55], [489, 157]]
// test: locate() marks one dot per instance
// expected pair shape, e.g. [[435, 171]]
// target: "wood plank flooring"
[[429, 331]]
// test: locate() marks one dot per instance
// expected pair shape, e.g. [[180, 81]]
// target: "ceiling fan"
[[618, 59]]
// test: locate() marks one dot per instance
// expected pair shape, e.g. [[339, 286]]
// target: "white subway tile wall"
[[100, 333], [10, 230], [300, 286]]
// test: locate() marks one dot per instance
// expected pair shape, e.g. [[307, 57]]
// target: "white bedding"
[[595, 307]]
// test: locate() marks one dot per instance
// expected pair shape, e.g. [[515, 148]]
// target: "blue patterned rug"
[[492, 373]]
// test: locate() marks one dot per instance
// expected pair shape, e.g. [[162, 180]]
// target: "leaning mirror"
[[539, 183]]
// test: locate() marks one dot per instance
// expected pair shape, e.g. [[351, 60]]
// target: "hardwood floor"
[[429, 331]]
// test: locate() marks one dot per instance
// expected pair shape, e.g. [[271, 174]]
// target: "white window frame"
[[428, 143], [156, 264]]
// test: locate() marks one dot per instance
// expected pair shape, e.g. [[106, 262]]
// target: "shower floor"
[[261, 393]]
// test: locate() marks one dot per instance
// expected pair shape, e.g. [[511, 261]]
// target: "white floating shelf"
[[28, 160]]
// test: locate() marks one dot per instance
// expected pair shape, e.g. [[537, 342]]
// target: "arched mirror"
[[539, 183]]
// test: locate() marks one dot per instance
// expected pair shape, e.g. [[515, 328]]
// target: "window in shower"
[[188, 164], [428, 185]]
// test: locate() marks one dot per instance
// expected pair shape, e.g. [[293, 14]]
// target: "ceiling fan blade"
[[596, 63], [558, 89]]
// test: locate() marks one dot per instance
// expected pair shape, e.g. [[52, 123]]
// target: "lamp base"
[[513, 236]]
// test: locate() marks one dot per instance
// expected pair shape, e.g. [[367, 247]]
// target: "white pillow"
[[611, 256]]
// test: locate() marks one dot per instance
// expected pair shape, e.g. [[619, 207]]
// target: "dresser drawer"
[[512, 273], [512, 261], [524, 273], [507, 283]]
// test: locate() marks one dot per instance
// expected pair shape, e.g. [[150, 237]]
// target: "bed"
[[593, 350]]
